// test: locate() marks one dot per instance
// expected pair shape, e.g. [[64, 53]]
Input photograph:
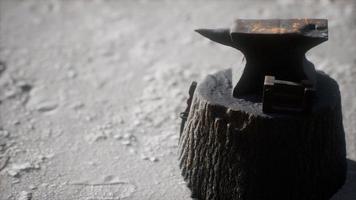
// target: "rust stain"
[[257, 28]]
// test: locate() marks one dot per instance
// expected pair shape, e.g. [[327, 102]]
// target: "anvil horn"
[[221, 36]]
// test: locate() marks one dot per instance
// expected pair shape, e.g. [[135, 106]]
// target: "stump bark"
[[229, 149]]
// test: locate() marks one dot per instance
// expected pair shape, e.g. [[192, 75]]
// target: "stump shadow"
[[348, 191]]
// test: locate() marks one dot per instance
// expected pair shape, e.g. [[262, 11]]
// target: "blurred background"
[[91, 90]]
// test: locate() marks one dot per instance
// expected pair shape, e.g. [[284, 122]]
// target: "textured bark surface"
[[229, 149]]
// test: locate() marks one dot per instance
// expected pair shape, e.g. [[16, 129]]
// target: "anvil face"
[[314, 28], [274, 47]]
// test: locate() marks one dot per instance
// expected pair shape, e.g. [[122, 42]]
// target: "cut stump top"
[[217, 90]]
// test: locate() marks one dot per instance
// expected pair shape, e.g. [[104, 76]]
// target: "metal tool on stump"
[[242, 135], [276, 49]]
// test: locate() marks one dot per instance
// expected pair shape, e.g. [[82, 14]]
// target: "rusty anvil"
[[276, 68]]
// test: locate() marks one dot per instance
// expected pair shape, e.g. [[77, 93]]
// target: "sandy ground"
[[90, 90]]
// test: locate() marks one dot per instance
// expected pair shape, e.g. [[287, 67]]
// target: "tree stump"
[[229, 149]]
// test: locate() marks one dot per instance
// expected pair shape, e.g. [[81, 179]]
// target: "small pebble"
[[15, 169], [148, 78], [126, 142], [94, 137], [32, 187], [132, 151], [71, 74], [118, 137], [46, 106], [127, 136], [109, 178], [10, 93], [16, 122], [92, 163], [153, 159], [77, 105], [15, 181], [121, 121], [136, 123], [143, 157], [44, 185], [26, 87], [13, 173]]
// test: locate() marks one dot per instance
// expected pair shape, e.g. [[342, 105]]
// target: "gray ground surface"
[[90, 91]]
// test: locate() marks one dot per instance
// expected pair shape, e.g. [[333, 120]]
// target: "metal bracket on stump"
[[286, 96]]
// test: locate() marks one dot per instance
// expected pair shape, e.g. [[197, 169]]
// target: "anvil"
[[271, 47]]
